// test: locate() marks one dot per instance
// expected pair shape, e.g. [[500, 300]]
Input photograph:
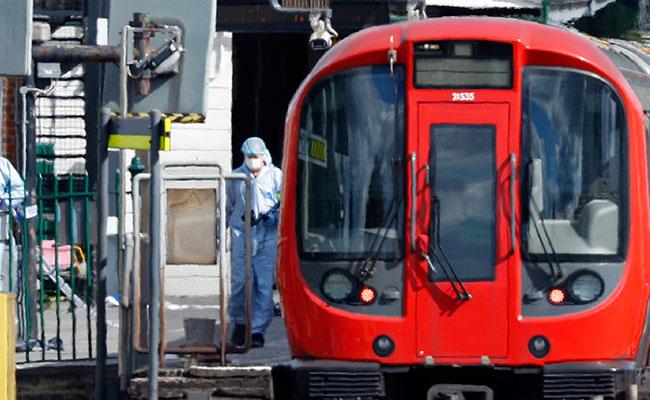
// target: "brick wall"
[[9, 113]]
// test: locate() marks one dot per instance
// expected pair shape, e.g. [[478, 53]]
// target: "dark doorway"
[[267, 70]]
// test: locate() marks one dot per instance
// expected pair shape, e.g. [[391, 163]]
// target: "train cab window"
[[575, 175], [350, 189]]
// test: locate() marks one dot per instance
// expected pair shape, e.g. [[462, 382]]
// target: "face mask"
[[254, 164]]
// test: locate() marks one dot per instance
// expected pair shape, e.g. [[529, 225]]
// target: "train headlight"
[[585, 286], [337, 285]]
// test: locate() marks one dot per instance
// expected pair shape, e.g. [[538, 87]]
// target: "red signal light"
[[556, 296], [367, 295]]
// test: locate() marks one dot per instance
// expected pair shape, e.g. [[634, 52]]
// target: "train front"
[[463, 213]]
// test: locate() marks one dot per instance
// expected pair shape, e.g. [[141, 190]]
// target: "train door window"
[[350, 189], [573, 146], [463, 176]]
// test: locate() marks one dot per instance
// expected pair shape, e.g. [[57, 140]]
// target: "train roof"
[[613, 57], [633, 60]]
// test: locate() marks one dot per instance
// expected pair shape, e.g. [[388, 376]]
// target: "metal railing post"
[[41, 293], [57, 219], [102, 257], [73, 277], [26, 287], [89, 269], [154, 254]]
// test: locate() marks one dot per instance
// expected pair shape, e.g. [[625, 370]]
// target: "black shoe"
[[277, 310], [33, 344], [258, 340], [55, 344], [238, 337]]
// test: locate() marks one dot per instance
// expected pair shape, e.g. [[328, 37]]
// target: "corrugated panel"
[[576, 386], [345, 385]]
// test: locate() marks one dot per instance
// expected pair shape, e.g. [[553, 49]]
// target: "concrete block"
[[223, 157], [220, 98], [195, 140]]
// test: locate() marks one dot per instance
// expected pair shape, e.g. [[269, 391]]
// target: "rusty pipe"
[[76, 53]]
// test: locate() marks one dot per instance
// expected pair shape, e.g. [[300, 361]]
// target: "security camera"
[[323, 35], [165, 60], [320, 40]]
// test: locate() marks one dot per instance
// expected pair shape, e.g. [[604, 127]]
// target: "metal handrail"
[[221, 178]]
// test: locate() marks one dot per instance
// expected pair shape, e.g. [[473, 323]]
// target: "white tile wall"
[[212, 139], [209, 141]]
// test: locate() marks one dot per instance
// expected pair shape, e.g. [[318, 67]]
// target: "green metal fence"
[[53, 261]]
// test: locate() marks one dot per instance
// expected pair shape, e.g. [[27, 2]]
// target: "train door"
[[463, 240]]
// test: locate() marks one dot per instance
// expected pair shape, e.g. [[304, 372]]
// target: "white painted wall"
[[211, 141]]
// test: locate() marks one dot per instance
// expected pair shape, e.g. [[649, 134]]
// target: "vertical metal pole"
[[73, 272], [30, 225], [222, 267], [23, 131], [248, 249], [121, 205], [93, 82], [102, 247], [124, 93], [41, 294], [57, 220], [27, 288], [89, 265], [154, 254]]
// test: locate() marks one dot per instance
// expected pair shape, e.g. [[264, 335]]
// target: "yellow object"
[[177, 118], [135, 133], [7, 345], [137, 142]]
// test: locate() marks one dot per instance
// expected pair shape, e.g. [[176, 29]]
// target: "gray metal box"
[[16, 37], [185, 92]]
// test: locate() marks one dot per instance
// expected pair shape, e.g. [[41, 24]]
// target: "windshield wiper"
[[367, 268], [551, 258], [456, 282]]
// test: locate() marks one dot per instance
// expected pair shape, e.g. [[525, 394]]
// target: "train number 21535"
[[462, 96]]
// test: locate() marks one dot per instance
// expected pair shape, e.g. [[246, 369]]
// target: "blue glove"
[[271, 220]]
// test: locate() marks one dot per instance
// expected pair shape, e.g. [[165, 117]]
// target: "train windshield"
[[574, 169], [350, 189]]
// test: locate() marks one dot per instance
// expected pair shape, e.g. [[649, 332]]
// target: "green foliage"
[[615, 20]]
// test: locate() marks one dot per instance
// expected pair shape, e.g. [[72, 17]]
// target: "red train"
[[465, 215]]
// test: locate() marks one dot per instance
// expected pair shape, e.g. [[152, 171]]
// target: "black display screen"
[[462, 64]]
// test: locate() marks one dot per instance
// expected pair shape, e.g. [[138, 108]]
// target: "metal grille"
[[578, 385], [345, 385]]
